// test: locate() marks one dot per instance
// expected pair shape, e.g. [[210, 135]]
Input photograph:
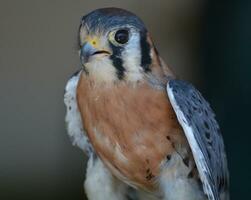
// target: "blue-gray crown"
[[104, 19]]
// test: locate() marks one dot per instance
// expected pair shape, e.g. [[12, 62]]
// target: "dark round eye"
[[122, 36]]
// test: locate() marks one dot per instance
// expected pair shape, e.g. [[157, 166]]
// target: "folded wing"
[[203, 134]]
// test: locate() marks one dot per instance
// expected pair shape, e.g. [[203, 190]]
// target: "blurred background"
[[205, 42]]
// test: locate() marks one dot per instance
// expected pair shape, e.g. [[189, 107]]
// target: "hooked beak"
[[88, 50]]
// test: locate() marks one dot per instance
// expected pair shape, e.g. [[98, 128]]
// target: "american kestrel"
[[147, 134]]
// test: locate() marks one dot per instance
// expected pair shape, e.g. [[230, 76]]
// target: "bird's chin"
[[99, 56], [100, 69], [95, 58]]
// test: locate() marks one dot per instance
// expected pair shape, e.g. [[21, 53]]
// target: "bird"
[[146, 133]]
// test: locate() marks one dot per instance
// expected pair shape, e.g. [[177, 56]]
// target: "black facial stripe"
[[117, 61], [146, 59]]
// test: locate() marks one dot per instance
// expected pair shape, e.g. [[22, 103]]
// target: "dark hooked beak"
[[88, 50]]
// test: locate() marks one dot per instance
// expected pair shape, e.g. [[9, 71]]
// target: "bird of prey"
[[147, 134]]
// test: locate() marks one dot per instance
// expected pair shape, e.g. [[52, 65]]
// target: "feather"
[[203, 134]]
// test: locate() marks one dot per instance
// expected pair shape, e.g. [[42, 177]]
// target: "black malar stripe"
[[117, 61], [146, 59]]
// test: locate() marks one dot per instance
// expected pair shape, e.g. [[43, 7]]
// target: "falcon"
[[147, 134]]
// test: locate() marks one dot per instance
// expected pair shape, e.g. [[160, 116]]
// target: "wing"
[[203, 134], [73, 119]]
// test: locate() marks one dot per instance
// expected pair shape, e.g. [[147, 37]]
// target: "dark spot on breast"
[[168, 137], [69, 107], [148, 171], [168, 157], [116, 167], [186, 161], [190, 174], [149, 176]]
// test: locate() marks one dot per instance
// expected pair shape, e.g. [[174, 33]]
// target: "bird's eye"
[[122, 36]]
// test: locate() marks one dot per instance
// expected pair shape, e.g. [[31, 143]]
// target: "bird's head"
[[115, 45]]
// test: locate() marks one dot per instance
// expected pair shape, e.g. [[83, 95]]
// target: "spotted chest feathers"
[[133, 129]]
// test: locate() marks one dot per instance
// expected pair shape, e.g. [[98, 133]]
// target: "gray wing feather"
[[204, 137]]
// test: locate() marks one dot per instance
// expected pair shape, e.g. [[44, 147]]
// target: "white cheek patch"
[[101, 69], [131, 57]]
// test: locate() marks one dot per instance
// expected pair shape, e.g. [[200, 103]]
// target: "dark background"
[[205, 42]]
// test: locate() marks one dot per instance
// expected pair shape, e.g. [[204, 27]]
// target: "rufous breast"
[[131, 127]]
